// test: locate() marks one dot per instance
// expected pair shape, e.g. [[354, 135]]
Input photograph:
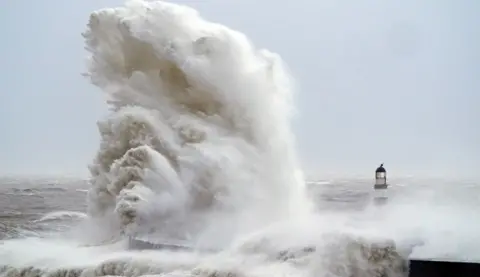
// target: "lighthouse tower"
[[380, 178], [380, 188]]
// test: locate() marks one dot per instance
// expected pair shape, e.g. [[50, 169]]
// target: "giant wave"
[[198, 139]]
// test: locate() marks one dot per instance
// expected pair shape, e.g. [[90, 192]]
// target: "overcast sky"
[[379, 81]]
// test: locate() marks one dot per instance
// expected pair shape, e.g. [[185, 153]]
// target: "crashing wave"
[[199, 124]]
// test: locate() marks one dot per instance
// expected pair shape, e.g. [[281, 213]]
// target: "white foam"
[[297, 250], [61, 215], [199, 133]]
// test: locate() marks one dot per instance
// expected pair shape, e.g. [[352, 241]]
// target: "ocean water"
[[44, 229], [197, 148]]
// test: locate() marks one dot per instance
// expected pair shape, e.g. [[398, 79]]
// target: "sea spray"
[[198, 141]]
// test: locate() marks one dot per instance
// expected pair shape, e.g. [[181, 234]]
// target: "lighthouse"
[[380, 187], [380, 178]]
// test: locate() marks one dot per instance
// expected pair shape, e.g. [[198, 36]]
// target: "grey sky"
[[391, 81]]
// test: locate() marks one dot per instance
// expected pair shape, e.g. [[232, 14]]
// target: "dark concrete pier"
[[436, 268]]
